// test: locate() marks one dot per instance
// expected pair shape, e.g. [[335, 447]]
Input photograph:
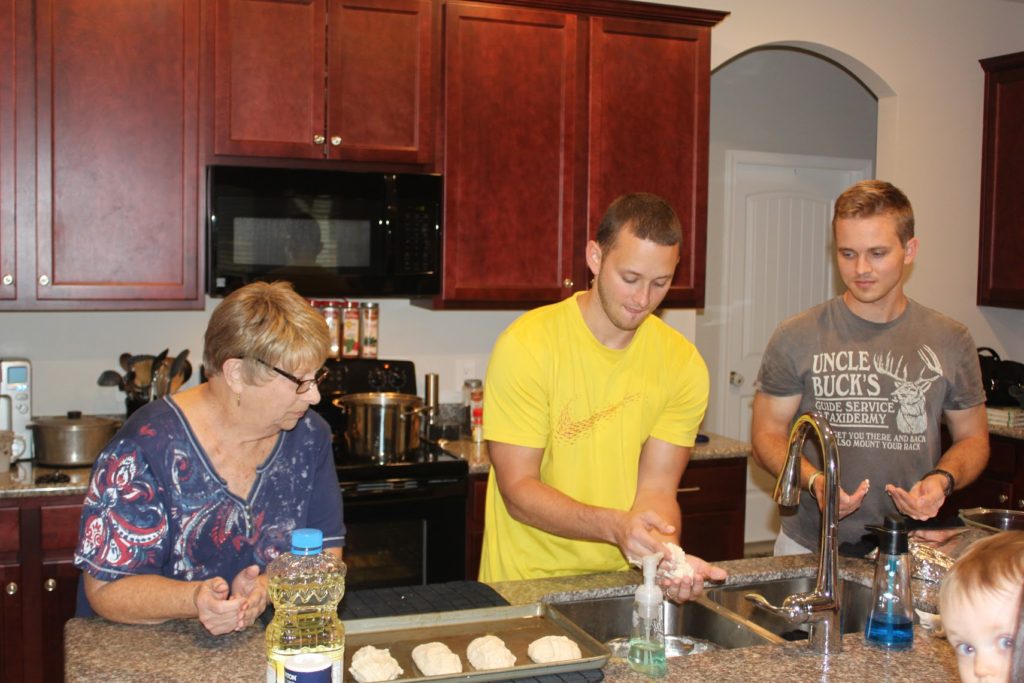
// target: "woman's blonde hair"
[[268, 322], [994, 565]]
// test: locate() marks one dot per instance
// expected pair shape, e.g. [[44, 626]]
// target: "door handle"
[[735, 378]]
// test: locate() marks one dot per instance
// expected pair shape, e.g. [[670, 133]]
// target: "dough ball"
[[489, 652], [553, 649], [436, 659], [680, 567], [370, 664]]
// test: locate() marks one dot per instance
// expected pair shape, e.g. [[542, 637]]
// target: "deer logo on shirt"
[[909, 395]]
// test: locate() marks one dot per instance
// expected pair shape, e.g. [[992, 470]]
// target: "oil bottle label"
[[307, 667]]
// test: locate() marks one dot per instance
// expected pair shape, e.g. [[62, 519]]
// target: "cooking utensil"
[[123, 360], [74, 439], [381, 426], [181, 377], [142, 366], [177, 370], [111, 378], [993, 519]]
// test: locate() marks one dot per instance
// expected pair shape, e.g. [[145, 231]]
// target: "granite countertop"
[[716, 447], [183, 651]]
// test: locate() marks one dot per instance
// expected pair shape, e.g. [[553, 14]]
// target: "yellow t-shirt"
[[550, 384]]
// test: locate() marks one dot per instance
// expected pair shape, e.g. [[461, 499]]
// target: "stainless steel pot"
[[71, 440], [381, 425]]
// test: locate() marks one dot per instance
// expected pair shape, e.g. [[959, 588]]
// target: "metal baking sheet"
[[518, 626]]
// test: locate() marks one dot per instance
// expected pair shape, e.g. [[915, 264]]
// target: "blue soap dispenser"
[[647, 640], [891, 622]]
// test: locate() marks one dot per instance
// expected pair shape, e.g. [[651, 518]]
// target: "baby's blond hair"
[[994, 565]]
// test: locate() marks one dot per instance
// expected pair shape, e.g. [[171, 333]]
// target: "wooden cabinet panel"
[[510, 94], [12, 653], [7, 243], [117, 153], [60, 592], [1000, 277], [476, 505], [337, 79], [712, 500], [648, 129], [10, 530], [380, 80], [269, 78], [59, 526]]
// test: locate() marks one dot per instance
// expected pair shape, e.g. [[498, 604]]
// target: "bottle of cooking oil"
[[305, 639]]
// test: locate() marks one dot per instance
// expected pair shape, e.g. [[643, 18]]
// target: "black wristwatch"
[[950, 481]]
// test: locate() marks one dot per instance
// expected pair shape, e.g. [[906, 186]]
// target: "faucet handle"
[[793, 613]]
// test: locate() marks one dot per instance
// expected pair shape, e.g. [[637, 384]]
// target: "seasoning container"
[[350, 329], [368, 326], [473, 398], [332, 315]]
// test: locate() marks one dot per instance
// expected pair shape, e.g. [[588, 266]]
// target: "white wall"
[[921, 58], [923, 51]]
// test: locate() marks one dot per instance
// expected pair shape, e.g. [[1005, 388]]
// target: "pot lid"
[[73, 420]]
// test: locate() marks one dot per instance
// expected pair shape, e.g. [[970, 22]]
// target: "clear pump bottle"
[[891, 622], [647, 640]]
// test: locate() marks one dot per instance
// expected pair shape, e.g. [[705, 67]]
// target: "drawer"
[[713, 485], [59, 525], [10, 530]]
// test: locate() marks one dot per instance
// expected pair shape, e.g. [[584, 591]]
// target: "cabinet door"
[[12, 653], [7, 271], [510, 89], [269, 78], [1000, 277], [117, 153], [380, 62], [58, 538], [648, 132], [475, 513], [712, 500]]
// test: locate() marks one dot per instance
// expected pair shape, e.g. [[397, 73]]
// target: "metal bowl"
[[993, 520]]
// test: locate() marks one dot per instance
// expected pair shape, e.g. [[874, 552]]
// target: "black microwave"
[[332, 234]]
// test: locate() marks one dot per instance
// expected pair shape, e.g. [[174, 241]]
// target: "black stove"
[[405, 518]]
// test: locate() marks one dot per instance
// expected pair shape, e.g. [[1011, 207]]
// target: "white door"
[[779, 262]]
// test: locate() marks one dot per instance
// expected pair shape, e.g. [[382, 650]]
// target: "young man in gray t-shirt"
[[883, 370]]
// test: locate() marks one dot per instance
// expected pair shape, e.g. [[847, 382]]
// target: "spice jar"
[[332, 315], [350, 329], [473, 397], [368, 326]]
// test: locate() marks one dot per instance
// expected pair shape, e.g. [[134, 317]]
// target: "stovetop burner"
[[429, 463]]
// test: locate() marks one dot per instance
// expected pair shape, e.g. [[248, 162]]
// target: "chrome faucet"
[[819, 608]]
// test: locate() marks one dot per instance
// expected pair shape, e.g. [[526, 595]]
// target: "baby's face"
[[981, 633]]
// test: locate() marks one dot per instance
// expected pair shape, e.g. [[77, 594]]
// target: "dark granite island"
[[98, 651]]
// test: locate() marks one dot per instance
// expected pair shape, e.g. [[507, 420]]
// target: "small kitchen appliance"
[[405, 507], [16, 404]]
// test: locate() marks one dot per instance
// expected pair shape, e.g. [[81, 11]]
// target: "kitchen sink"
[[855, 605], [691, 627]]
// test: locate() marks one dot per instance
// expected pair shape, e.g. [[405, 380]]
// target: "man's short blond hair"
[[870, 198]]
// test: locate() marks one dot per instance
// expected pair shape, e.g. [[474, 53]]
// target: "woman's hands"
[[223, 609]]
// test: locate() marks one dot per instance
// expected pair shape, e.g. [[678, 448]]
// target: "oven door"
[[405, 533]]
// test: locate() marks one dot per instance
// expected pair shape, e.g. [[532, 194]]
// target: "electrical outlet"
[[465, 368]]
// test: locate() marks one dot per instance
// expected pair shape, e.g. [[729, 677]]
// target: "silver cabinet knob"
[[8, 280], [11, 588], [567, 283], [318, 139], [1003, 498], [1020, 503], [44, 280], [735, 378], [50, 585], [336, 140]]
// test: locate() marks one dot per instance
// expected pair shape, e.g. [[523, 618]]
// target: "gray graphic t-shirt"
[[882, 387]]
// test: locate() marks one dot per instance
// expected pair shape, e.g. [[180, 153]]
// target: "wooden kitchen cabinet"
[[7, 227], [106, 157], [550, 113], [325, 79], [38, 536], [1001, 249], [1000, 485], [712, 498]]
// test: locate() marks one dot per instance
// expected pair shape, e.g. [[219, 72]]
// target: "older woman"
[[199, 491]]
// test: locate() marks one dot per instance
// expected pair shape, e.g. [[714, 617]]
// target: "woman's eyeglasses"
[[301, 385]]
